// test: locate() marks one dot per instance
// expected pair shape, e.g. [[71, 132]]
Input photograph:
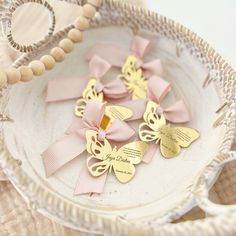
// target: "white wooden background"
[[213, 20]]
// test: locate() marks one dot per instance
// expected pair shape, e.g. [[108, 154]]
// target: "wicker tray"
[[163, 190]]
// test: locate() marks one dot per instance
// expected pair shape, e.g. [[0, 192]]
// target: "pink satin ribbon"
[[157, 90], [117, 56], [72, 88], [74, 144]]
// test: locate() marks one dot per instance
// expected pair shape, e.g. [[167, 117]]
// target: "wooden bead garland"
[[67, 45], [3, 78], [75, 35], [37, 67], [89, 10], [13, 75], [48, 61], [81, 23], [57, 54], [26, 73]]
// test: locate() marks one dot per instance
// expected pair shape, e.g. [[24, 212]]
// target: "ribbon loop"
[[72, 88], [115, 90], [158, 89], [98, 67], [74, 143], [177, 113], [140, 46], [117, 56]]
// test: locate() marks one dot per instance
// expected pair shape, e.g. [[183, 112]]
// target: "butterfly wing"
[[91, 93], [129, 65], [134, 80], [151, 117], [88, 94], [126, 157], [139, 89], [186, 136], [173, 139], [98, 149], [97, 163], [118, 112], [149, 130], [97, 168], [146, 134], [79, 107]]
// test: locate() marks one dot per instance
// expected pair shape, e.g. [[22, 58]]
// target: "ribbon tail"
[[177, 113], [88, 184], [98, 67], [62, 152], [152, 148], [114, 55], [65, 89], [77, 126]]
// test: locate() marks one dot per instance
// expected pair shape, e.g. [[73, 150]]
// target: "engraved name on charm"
[[134, 80]]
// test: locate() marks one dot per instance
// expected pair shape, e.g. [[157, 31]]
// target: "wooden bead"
[[58, 54], [89, 11], [37, 67], [3, 78], [48, 61], [67, 45], [81, 23], [26, 73], [13, 75], [75, 35], [95, 3]]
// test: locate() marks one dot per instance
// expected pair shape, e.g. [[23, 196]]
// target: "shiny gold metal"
[[89, 93], [171, 139], [135, 82], [105, 158], [105, 122], [118, 112]]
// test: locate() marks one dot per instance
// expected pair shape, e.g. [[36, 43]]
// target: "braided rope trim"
[[6, 24], [221, 74]]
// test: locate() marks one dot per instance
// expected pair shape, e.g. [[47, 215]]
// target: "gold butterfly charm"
[[89, 93], [171, 139], [105, 158], [135, 82]]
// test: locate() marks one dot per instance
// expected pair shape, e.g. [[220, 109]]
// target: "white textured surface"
[[171, 179], [213, 20]]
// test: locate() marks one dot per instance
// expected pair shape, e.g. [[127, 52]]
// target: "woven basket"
[[216, 76]]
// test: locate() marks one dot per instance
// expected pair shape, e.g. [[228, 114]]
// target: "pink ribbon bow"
[[72, 88], [157, 90], [117, 56], [74, 144]]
